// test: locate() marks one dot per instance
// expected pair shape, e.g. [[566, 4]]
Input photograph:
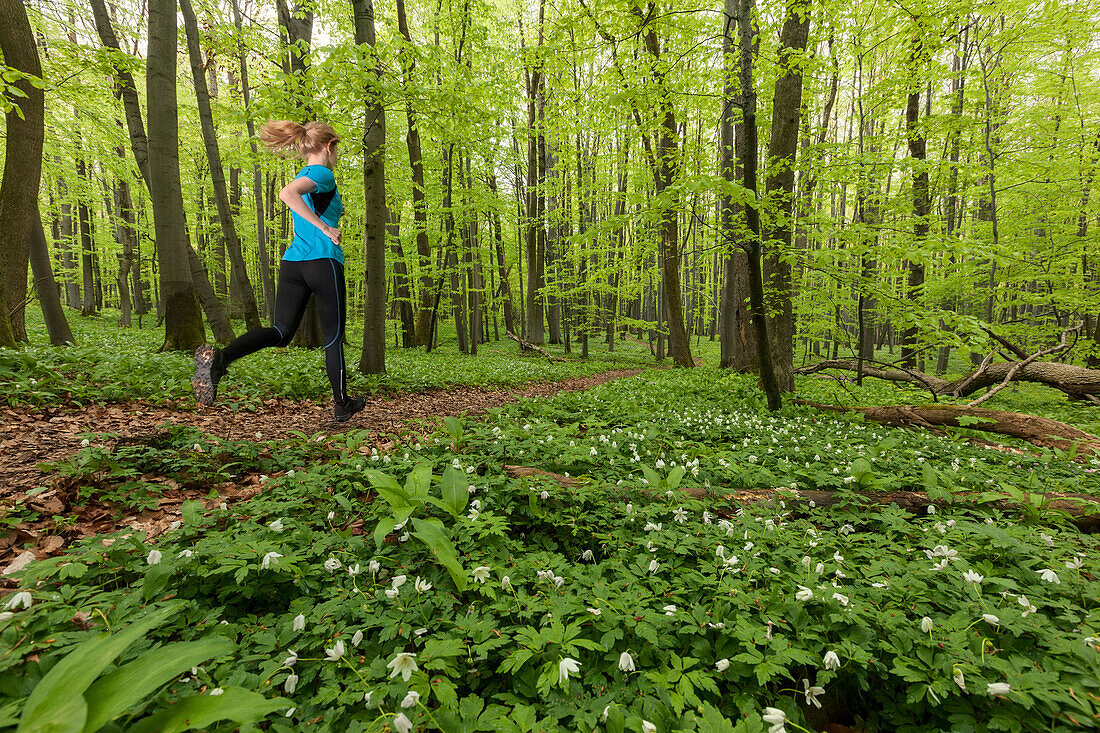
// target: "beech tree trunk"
[[921, 200], [375, 211], [25, 132], [240, 284], [779, 188], [535, 332], [49, 297], [182, 318]]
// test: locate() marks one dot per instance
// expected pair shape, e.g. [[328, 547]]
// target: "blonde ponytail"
[[289, 137]]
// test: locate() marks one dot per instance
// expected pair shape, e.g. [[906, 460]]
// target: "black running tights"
[[323, 279]]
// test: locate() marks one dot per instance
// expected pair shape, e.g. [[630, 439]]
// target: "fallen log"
[[525, 346], [1083, 510], [1036, 430], [1077, 382]]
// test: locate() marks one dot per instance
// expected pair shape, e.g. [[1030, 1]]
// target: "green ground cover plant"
[[118, 365], [426, 589]]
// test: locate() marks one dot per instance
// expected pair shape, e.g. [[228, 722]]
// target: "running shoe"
[[208, 371], [344, 410]]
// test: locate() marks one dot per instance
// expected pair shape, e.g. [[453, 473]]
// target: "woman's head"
[[312, 140]]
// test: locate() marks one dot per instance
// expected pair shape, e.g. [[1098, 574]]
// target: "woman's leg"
[[326, 279], [291, 297]]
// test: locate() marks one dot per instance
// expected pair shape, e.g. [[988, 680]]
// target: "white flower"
[[776, 718], [847, 529], [722, 665], [841, 598], [626, 662], [402, 724], [960, 680], [838, 557], [331, 516], [670, 610], [357, 638], [367, 697], [335, 652], [410, 699], [1028, 606], [291, 660], [654, 566], [332, 564], [812, 693], [481, 573], [566, 667], [270, 559], [299, 623], [374, 566], [506, 582], [971, 577], [926, 624], [22, 598], [653, 526], [185, 554], [85, 443], [403, 664], [1049, 576], [290, 684], [216, 691], [706, 517], [276, 526], [353, 570], [544, 495], [680, 515], [398, 581], [423, 586], [831, 661], [998, 688], [392, 593], [990, 619], [648, 727], [289, 713], [153, 558], [804, 593], [587, 556], [595, 611]]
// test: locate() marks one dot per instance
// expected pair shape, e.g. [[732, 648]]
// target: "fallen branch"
[[531, 347], [1020, 365], [1083, 510], [1036, 430]]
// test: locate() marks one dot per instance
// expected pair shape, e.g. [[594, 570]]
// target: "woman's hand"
[[332, 233]]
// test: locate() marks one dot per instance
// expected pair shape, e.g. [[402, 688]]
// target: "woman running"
[[312, 265]]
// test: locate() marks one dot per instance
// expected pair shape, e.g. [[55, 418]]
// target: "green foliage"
[[722, 610]]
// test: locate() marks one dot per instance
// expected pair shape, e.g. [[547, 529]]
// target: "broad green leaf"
[[455, 494], [116, 692], [200, 711], [431, 533], [57, 702], [674, 477], [419, 481], [388, 488]]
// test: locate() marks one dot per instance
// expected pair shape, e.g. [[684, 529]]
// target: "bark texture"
[[22, 170]]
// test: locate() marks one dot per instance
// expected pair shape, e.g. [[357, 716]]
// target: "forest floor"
[[30, 437]]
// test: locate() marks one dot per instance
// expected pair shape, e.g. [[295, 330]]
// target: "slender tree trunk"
[[66, 242], [240, 284], [375, 211], [87, 244], [737, 340], [779, 188], [752, 215], [267, 278], [402, 296], [183, 320], [510, 324], [57, 326], [922, 204], [534, 214], [420, 208]]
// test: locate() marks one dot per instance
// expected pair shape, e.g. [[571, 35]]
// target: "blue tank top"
[[310, 243]]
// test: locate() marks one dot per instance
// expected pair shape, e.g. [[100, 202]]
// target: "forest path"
[[31, 436]]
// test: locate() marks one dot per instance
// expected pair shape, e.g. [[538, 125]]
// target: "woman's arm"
[[291, 195]]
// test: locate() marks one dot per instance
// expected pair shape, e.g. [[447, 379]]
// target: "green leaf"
[[116, 692], [192, 512], [419, 481], [388, 488], [674, 477], [431, 533], [455, 494], [57, 702], [200, 711]]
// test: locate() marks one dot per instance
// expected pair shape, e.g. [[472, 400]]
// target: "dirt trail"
[[29, 437]]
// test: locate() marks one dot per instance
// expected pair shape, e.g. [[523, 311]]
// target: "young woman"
[[312, 265]]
